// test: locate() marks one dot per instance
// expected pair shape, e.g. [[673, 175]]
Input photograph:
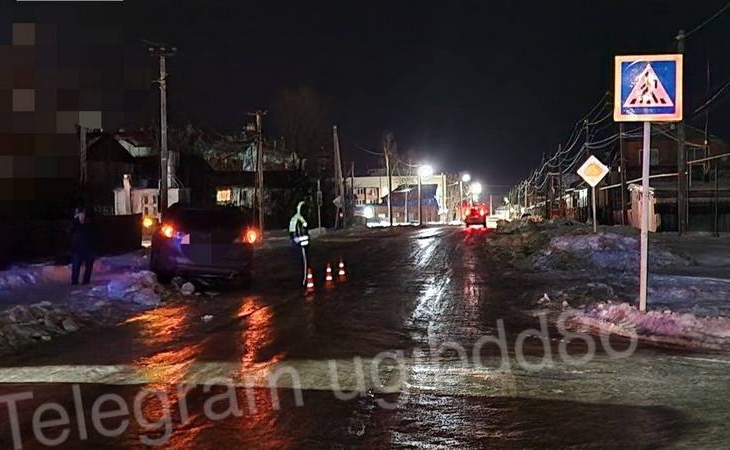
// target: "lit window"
[[223, 196]]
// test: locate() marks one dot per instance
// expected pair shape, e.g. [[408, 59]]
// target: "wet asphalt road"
[[399, 354]]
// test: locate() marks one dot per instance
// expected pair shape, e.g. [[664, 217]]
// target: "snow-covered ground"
[[25, 275], [595, 276], [37, 301], [659, 326]]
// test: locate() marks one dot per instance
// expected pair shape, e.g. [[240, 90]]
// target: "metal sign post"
[[593, 171], [647, 88], [645, 161], [593, 203], [319, 204]]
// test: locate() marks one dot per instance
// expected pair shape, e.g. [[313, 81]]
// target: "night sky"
[[487, 85]]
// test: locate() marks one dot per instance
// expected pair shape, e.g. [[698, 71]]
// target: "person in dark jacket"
[[82, 247]]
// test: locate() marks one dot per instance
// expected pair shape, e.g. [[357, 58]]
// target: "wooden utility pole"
[[352, 186], [560, 183], [622, 169], [162, 52], [681, 162], [259, 184], [82, 157], [339, 180], [388, 148], [591, 199]]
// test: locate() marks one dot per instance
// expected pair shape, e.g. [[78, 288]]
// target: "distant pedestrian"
[[82, 247]]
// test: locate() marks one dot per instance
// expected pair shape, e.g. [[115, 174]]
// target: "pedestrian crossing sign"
[[648, 88]]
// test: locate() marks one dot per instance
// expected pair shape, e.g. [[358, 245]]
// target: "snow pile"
[[33, 274], [663, 327], [22, 326], [602, 251], [697, 295], [140, 288]]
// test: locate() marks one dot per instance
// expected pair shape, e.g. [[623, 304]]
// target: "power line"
[[710, 19], [717, 94], [363, 149]]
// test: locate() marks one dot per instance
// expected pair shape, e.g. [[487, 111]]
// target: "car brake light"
[[168, 230], [481, 212], [252, 236]]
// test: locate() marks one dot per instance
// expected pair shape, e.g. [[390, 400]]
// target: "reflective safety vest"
[[298, 227]]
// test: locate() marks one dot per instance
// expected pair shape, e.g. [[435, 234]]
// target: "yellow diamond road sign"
[[593, 171]]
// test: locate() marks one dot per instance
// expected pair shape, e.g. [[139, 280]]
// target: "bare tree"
[[299, 117]]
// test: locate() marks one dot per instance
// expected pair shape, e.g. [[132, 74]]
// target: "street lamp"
[[424, 170], [465, 178]]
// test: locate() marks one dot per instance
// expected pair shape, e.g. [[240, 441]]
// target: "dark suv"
[[210, 242]]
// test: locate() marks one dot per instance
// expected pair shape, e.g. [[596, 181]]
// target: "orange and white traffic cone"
[[328, 278], [341, 269], [310, 281]]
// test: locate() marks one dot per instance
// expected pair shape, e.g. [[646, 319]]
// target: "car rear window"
[[198, 219]]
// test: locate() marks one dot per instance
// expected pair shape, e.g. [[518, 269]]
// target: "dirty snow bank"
[[106, 303], [20, 276], [21, 326], [140, 288], [664, 327], [564, 245], [601, 251]]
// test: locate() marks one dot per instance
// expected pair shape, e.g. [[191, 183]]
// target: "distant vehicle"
[[210, 242], [476, 216]]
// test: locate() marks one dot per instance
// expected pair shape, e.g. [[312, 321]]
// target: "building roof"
[[137, 138], [102, 147]]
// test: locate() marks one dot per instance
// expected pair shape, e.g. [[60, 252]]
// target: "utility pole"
[[352, 186], [420, 203], [622, 168], [162, 52], [560, 183], [548, 183], [339, 179], [259, 185], [681, 161], [591, 199], [82, 157], [388, 147]]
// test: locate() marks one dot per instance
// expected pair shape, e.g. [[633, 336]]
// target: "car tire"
[[163, 276]]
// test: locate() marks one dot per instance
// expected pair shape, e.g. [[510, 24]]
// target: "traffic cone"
[[328, 277], [310, 281], [341, 267]]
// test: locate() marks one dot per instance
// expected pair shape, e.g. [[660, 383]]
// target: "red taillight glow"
[[167, 230], [252, 236], [482, 212]]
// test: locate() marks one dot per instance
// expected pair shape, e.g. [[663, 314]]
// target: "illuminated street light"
[[424, 170], [475, 188], [465, 178]]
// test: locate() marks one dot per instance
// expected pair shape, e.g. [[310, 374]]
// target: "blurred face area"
[[81, 216]]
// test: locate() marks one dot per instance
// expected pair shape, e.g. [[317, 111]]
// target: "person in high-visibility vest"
[[300, 239]]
